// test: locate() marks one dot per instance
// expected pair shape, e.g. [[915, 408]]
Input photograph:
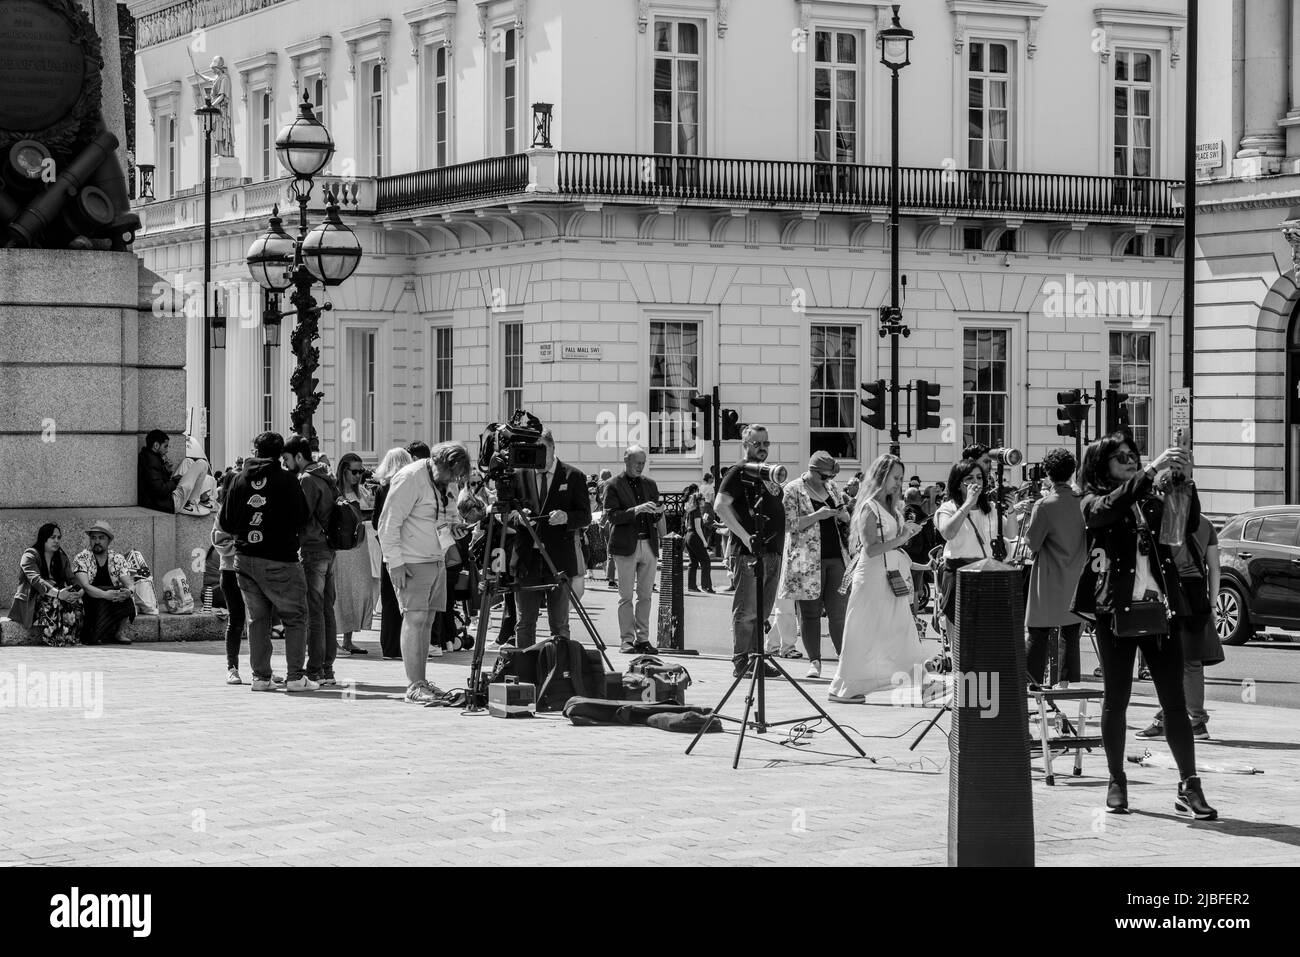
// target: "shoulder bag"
[[1142, 617], [893, 577]]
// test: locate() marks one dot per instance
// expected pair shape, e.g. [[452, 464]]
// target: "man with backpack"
[[264, 510], [317, 556]]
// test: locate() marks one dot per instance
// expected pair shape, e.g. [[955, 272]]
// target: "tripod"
[[759, 660], [496, 580]]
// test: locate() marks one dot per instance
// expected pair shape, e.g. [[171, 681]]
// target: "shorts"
[[425, 588]]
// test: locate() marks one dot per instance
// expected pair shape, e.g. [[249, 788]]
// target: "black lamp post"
[[895, 49], [328, 254], [207, 114]]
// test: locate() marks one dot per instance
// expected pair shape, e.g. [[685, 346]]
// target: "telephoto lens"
[[1007, 456], [766, 473]]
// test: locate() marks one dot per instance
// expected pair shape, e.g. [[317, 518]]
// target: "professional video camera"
[[503, 448]]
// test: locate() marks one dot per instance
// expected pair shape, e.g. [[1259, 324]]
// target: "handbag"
[[893, 577], [1143, 617]]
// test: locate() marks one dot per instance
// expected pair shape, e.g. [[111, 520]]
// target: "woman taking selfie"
[[1131, 588]]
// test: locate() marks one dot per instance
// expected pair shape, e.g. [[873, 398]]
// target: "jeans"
[[268, 585], [810, 612], [1194, 692], [1165, 659], [783, 627], [529, 605], [744, 604], [235, 623], [1036, 653], [321, 647], [699, 560], [636, 579]]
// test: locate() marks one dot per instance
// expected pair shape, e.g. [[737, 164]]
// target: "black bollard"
[[990, 801]]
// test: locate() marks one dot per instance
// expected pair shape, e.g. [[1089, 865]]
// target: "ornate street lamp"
[[218, 322], [327, 254], [895, 53], [271, 319]]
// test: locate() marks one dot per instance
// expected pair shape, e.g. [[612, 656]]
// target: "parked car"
[[1259, 552]]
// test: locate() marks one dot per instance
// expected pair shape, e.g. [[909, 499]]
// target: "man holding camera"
[[557, 497], [632, 508], [741, 482]]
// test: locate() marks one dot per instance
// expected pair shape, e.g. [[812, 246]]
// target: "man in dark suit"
[[557, 497], [632, 505]]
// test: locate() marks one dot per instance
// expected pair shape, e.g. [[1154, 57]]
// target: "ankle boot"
[[1191, 800], [1117, 794]]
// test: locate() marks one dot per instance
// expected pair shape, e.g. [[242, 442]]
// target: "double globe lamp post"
[[328, 253]]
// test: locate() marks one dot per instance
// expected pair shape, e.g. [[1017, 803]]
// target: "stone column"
[[1267, 48], [103, 14], [1291, 122]]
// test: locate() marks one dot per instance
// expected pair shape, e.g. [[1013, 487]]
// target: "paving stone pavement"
[[181, 769]]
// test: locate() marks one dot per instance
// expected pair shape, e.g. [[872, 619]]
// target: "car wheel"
[[1231, 620]]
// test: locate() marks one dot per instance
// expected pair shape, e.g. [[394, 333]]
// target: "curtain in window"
[[997, 117]]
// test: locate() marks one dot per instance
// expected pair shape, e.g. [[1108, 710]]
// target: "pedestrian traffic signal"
[[927, 405], [705, 404], [1070, 412], [1116, 411], [730, 425], [874, 403]]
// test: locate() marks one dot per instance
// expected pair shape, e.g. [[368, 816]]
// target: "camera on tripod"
[[504, 448]]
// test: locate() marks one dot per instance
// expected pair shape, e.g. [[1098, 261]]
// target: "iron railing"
[[790, 183], [498, 176]]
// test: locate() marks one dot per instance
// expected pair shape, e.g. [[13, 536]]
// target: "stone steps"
[[145, 628]]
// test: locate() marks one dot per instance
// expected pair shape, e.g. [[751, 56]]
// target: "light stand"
[[759, 660]]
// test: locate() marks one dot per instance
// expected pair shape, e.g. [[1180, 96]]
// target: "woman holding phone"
[[880, 638], [1130, 571], [968, 524]]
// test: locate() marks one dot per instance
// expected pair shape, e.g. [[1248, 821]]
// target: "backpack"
[[347, 529], [560, 673]]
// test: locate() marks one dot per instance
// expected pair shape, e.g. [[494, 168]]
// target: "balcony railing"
[[253, 201], [481, 179], [788, 183]]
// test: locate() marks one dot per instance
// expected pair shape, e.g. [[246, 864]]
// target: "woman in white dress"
[[880, 638]]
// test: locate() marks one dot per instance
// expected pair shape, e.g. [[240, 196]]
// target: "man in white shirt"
[[417, 509]]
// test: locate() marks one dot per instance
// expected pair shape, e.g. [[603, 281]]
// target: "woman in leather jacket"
[[1124, 566]]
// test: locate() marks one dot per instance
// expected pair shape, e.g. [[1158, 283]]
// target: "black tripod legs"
[[818, 708]]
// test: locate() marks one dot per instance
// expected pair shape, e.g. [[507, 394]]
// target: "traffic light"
[[1070, 412], [1116, 411], [730, 425], [705, 404], [874, 403], [927, 405]]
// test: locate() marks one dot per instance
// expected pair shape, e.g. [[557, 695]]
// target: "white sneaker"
[[302, 684], [261, 684], [435, 651], [232, 677], [814, 669], [327, 682]]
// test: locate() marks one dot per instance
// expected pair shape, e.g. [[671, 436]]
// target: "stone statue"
[[218, 92]]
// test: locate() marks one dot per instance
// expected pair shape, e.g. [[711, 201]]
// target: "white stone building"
[[1247, 376], [713, 212]]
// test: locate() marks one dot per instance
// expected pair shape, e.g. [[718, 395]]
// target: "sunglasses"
[[824, 477], [356, 471], [1124, 458]]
